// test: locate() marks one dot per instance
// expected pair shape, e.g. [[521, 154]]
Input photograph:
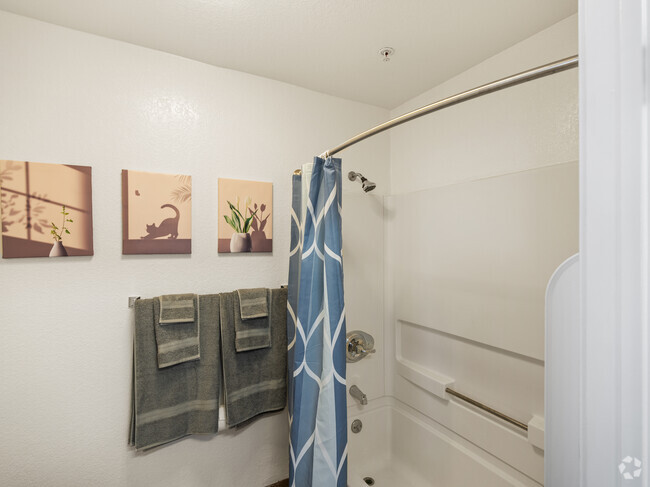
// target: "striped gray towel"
[[253, 303], [168, 404], [252, 333], [177, 341], [255, 381], [176, 308]]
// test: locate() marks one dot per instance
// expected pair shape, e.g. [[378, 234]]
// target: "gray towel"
[[178, 342], [170, 403], [253, 303], [254, 381], [252, 333], [176, 308]]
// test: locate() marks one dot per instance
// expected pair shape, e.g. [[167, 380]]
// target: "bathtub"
[[400, 447]]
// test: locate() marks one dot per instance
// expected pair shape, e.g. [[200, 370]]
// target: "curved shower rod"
[[515, 79]]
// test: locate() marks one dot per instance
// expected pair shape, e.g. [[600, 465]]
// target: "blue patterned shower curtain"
[[316, 330]]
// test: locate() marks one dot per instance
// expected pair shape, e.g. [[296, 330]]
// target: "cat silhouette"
[[169, 226]]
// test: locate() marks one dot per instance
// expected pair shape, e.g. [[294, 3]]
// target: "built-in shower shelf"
[[437, 384], [427, 379]]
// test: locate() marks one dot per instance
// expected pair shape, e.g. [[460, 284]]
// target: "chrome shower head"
[[366, 185]]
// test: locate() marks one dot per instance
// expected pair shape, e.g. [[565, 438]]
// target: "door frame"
[[614, 239]]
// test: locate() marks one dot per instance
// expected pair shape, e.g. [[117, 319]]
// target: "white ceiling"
[[329, 46]]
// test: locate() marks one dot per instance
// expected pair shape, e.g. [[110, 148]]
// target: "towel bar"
[[133, 299]]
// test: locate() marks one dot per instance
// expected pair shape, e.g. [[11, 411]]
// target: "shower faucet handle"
[[358, 344], [356, 347], [363, 351]]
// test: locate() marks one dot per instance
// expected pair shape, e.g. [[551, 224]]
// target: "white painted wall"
[[484, 207], [65, 350]]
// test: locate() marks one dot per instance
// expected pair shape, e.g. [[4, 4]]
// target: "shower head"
[[366, 185]]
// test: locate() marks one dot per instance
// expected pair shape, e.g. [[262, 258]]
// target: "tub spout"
[[356, 393]]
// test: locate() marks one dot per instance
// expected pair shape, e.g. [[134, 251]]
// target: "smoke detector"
[[386, 53]]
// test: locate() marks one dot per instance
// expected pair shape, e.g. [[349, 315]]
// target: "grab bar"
[[488, 409]]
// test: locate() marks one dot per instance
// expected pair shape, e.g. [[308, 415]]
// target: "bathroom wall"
[[483, 208], [65, 350]]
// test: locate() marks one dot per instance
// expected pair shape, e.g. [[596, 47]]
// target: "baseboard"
[[281, 483]]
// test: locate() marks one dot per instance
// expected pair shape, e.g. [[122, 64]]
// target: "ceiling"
[[330, 46]]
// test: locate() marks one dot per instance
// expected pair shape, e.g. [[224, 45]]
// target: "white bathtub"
[[399, 447]]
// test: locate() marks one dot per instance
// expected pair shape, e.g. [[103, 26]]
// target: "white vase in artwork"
[[240, 242], [58, 250]]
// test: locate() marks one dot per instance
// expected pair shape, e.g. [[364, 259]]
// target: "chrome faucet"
[[356, 393], [358, 344]]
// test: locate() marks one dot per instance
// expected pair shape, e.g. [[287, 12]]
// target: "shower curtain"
[[316, 330]]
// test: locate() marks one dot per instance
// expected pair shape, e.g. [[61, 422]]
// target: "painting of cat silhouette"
[[167, 228]]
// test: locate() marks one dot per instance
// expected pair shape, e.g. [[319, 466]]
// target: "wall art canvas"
[[245, 216], [46, 209], [156, 213]]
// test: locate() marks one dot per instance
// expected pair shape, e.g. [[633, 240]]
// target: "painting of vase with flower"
[[245, 216], [46, 209]]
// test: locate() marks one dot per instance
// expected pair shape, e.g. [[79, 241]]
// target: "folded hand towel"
[[253, 303], [176, 308], [255, 381], [178, 341], [252, 333], [170, 403]]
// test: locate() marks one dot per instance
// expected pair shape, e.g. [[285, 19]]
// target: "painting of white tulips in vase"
[[245, 216]]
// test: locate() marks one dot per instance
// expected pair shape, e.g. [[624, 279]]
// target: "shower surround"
[[487, 193]]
